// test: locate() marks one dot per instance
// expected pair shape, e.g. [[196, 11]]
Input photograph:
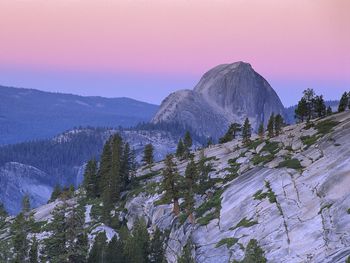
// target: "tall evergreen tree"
[[148, 158], [203, 168], [137, 246], [19, 231], [33, 253], [90, 179], [231, 133], [188, 140], [171, 183], [271, 126], [320, 106], [343, 103], [55, 193], [54, 250], [105, 168], [301, 110], [246, 131], [115, 251], [26, 204], [278, 123], [98, 251], [329, 111], [309, 96], [180, 150], [191, 176], [157, 247], [126, 165], [3, 213], [261, 131]]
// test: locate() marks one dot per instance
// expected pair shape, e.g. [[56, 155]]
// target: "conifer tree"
[[261, 131], [19, 231], [98, 250], [191, 175], [126, 166], [137, 246], [203, 169], [55, 193], [105, 168], [271, 126], [188, 141], [171, 183], [157, 247], [320, 106], [148, 158], [246, 131], [301, 110], [115, 251], [3, 213], [55, 247], [26, 204], [309, 96], [90, 179], [180, 150], [278, 123], [33, 253], [186, 256], [343, 103], [329, 111], [231, 133]]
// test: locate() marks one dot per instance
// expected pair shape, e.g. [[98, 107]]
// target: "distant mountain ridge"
[[225, 94], [28, 114]]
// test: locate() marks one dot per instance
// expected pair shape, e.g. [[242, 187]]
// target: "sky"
[[145, 49]]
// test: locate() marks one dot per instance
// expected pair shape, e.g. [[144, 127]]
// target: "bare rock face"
[[225, 94]]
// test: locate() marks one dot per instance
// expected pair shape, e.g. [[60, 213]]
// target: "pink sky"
[[289, 40]]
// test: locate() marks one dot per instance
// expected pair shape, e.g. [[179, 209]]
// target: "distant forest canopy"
[[57, 156]]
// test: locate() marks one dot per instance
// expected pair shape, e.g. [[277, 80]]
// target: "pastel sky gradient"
[[146, 48]]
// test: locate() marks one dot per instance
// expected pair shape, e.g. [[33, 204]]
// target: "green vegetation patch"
[[326, 126], [258, 159], [254, 144], [213, 202], [348, 211], [260, 195], [309, 140], [271, 147], [229, 242], [245, 223], [290, 163]]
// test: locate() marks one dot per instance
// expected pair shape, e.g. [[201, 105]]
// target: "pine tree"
[[171, 183], [180, 150], [148, 158], [137, 246], [19, 231], [261, 131], [246, 131], [188, 141], [115, 251], [126, 166], [3, 213], [278, 123], [25, 204], [191, 176], [90, 179], [271, 126], [343, 103], [98, 250], [203, 169], [231, 133], [55, 246], [309, 96], [33, 253], [105, 168], [329, 111], [157, 247], [320, 106], [301, 110], [55, 193]]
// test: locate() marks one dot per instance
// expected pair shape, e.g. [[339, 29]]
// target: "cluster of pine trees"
[[234, 129], [112, 176], [344, 102], [184, 146], [135, 246]]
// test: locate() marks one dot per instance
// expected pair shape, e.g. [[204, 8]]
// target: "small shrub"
[[309, 140], [324, 207], [214, 202], [258, 159], [326, 126], [291, 163], [245, 223], [271, 147], [348, 211], [229, 242], [254, 253], [259, 195]]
